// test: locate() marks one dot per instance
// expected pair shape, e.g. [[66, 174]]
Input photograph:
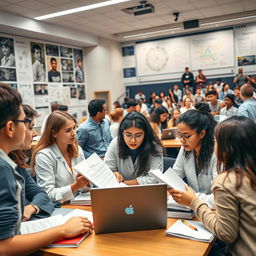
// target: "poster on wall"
[[42, 111], [79, 70], [245, 47], [8, 74], [38, 62], [55, 93], [23, 66], [66, 52], [7, 55], [52, 50], [27, 93], [53, 67], [81, 93]]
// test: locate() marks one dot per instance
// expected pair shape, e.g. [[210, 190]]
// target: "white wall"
[[103, 67]]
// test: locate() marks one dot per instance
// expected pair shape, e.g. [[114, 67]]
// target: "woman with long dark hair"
[[135, 151], [234, 189], [196, 160], [158, 119]]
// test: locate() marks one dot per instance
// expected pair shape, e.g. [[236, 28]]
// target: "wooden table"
[[171, 143], [142, 243]]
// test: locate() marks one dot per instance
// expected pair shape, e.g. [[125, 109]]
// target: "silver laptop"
[[169, 134], [129, 208]]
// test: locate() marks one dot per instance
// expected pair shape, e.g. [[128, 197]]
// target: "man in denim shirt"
[[94, 135], [248, 108]]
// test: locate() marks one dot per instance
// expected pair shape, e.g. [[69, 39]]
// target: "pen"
[[189, 225]]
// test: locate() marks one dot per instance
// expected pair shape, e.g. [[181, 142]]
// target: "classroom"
[[118, 105]]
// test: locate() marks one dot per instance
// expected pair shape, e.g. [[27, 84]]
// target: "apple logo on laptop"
[[129, 210]]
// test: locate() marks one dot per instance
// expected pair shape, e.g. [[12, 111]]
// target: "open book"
[[170, 177], [193, 230], [96, 171], [33, 226]]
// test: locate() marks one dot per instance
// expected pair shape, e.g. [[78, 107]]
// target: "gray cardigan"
[[126, 167], [185, 168]]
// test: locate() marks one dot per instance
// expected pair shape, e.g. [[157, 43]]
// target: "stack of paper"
[[33, 226], [97, 172], [193, 230], [81, 199], [175, 210]]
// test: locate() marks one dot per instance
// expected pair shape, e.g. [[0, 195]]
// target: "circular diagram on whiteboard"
[[156, 58]]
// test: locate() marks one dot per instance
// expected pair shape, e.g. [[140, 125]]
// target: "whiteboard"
[[162, 57], [213, 50]]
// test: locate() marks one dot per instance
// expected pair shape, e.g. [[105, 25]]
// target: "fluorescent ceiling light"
[[152, 32], [81, 9], [228, 20]]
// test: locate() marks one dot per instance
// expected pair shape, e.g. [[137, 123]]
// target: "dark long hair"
[[236, 147], [155, 116], [151, 144], [200, 119]]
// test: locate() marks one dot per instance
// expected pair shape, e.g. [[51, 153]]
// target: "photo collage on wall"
[[44, 74], [8, 64]]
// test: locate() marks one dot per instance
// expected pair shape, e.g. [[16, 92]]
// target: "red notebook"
[[70, 242]]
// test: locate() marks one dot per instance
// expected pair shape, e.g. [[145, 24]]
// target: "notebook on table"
[[169, 134], [129, 208]]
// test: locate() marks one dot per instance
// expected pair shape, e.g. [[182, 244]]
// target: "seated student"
[[225, 90], [173, 122], [158, 120], [230, 109], [135, 151], [234, 189], [188, 105], [55, 155], [196, 160], [37, 203], [13, 127], [214, 104]]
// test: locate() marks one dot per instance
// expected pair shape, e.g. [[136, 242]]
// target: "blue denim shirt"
[[248, 109], [94, 137]]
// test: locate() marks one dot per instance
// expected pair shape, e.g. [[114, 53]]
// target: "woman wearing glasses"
[[234, 189], [55, 155], [135, 151], [37, 203], [196, 161]]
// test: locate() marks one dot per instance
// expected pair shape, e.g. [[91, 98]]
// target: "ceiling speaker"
[[191, 24]]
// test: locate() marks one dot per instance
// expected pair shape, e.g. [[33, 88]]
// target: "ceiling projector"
[[143, 8]]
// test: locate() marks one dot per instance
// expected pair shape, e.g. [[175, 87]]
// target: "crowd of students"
[[218, 165]]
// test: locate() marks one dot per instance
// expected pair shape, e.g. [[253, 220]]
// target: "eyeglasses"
[[183, 136], [26, 122], [130, 136]]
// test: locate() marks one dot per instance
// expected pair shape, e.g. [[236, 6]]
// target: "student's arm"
[[236, 79], [155, 162], [36, 197], [26, 244], [111, 157], [178, 166], [224, 223], [82, 137]]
